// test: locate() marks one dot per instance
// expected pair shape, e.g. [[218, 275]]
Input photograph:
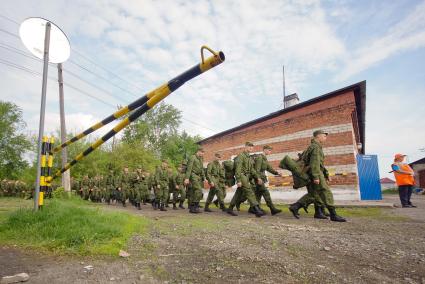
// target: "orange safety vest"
[[404, 179]]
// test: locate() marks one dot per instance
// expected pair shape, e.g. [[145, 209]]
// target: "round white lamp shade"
[[32, 32]]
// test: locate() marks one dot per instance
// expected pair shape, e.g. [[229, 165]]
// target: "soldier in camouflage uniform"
[[110, 186], [144, 186], [195, 176], [140, 187], [245, 173], [180, 188], [215, 176], [161, 184], [318, 190], [2, 187], [173, 188], [261, 166], [85, 187], [124, 185]]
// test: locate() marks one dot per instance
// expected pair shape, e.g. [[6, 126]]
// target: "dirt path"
[[388, 247]]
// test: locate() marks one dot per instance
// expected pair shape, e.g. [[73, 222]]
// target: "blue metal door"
[[370, 187]]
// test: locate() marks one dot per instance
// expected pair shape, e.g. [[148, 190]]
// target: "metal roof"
[[420, 161], [359, 90]]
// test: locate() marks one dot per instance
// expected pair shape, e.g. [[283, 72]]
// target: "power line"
[[32, 72], [92, 72], [18, 51], [105, 69], [9, 19]]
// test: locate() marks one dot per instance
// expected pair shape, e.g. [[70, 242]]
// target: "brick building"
[[289, 131], [419, 168]]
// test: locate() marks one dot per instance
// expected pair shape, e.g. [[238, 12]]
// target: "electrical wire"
[[10, 48]]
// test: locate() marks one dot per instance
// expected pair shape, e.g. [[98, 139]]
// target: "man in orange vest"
[[405, 180]]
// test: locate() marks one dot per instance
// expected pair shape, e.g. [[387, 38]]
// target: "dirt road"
[[375, 246]]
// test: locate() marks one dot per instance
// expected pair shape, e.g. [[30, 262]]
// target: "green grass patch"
[[390, 191], [70, 226]]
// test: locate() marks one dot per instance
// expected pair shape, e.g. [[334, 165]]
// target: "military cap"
[[250, 144], [267, 147], [218, 155], [318, 132]]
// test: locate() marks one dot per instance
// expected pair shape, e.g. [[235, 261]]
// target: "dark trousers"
[[405, 192]]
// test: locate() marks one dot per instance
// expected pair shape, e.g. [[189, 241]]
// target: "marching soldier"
[[180, 188], [195, 175], [140, 187], [161, 183], [124, 185], [261, 166], [318, 189], [110, 186], [245, 173], [144, 186], [215, 177], [85, 184]]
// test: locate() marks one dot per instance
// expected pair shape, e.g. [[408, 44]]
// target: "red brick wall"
[[333, 111]]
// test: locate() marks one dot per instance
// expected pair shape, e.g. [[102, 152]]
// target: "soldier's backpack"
[[298, 168], [229, 172]]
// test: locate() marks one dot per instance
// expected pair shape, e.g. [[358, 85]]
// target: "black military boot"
[[162, 207], [294, 209], [207, 208], [274, 210], [155, 204], [216, 203], [174, 206], [324, 212], [230, 211], [123, 203], [181, 205], [251, 210], [258, 212], [222, 207], [194, 208], [334, 216], [138, 206], [318, 213]]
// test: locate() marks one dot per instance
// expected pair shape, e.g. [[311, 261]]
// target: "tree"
[[13, 144], [154, 128], [179, 147]]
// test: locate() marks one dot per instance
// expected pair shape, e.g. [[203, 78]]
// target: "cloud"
[[408, 34]]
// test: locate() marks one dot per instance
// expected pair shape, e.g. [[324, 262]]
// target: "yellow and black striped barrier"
[[119, 113], [43, 170], [186, 76], [154, 97], [49, 166]]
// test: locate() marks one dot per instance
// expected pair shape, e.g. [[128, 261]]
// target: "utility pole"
[[66, 183], [42, 113]]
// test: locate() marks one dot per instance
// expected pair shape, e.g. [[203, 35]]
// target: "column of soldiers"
[[14, 188], [247, 171]]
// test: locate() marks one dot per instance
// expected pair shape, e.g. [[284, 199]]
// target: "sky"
[[120, 50]]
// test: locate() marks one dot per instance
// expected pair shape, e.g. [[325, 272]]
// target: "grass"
[[390, 191], [69, 226]]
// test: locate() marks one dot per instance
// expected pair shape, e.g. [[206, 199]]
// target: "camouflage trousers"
[[319, 194], [245, 192]]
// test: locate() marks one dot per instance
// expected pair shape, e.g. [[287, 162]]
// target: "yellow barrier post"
[[43, 171], [49, 167]]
